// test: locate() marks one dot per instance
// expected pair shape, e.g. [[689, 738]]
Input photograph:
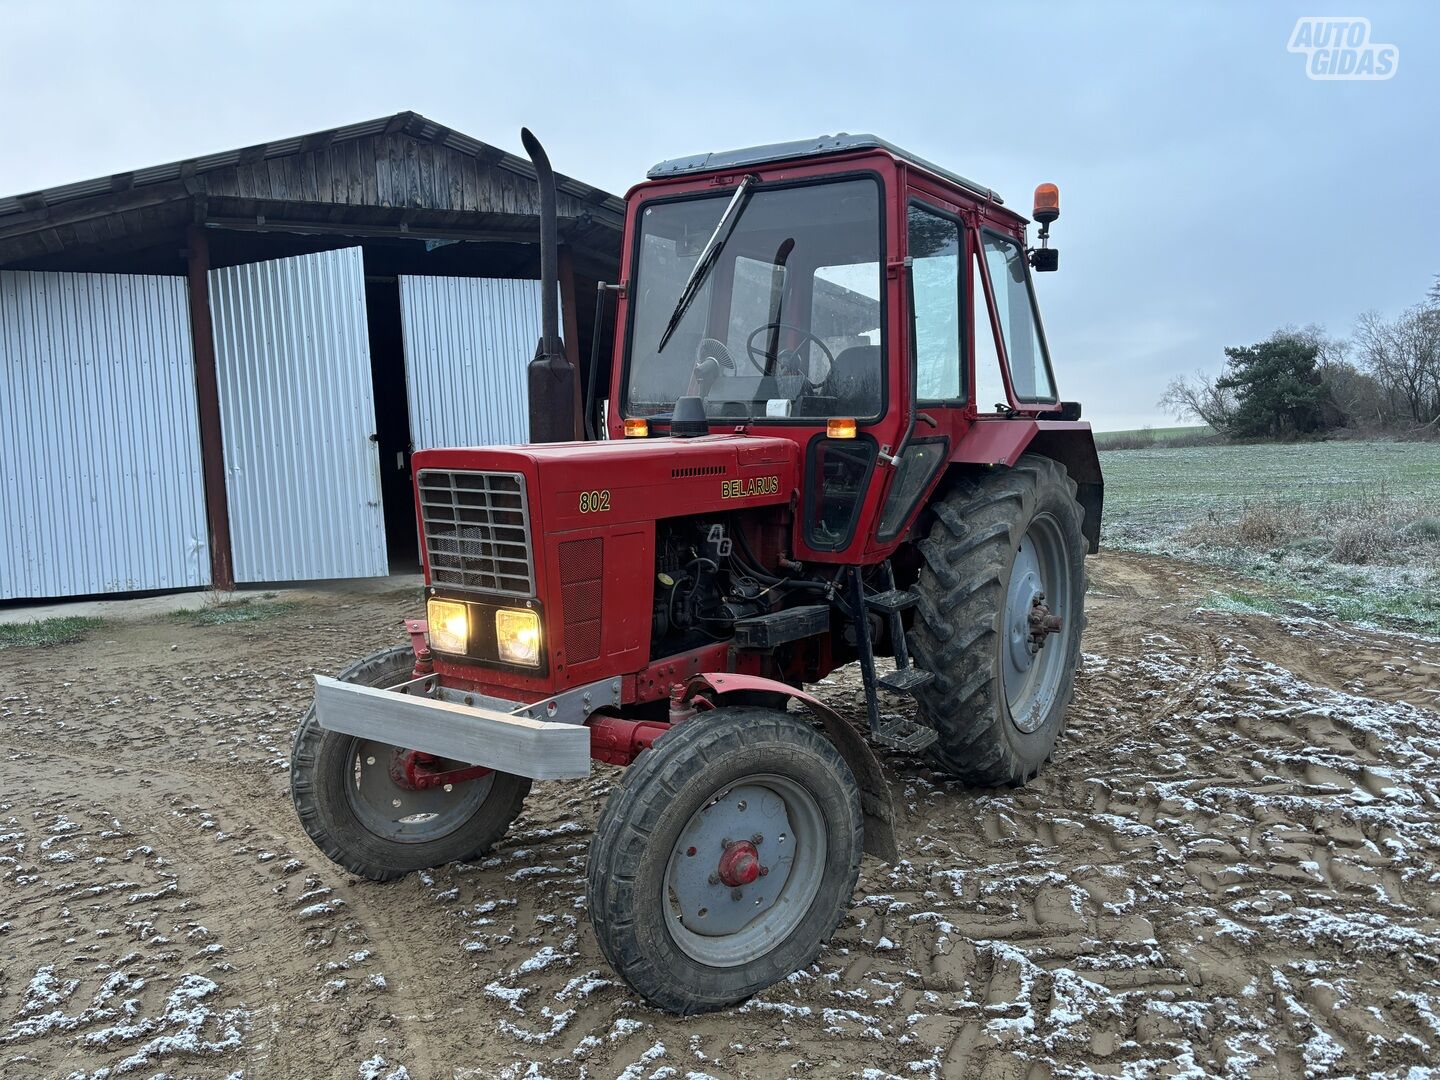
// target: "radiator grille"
[[477, 531], [582, 575]]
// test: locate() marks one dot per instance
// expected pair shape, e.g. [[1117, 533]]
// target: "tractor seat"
[[854, 380]]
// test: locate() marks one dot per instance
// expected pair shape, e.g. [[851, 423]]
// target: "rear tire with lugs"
[[1000, 612], [352, 807]]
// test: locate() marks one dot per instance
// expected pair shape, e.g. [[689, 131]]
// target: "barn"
[[214, 372]]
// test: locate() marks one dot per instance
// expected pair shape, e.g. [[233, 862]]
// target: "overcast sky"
[[1211, 192]]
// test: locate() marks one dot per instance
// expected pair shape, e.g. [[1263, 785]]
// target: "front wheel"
[[725, 858], [355, 802]]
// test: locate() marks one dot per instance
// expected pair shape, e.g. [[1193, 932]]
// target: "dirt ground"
[[1230, 868]]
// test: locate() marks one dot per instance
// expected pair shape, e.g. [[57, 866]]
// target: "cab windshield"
[[787, 322]]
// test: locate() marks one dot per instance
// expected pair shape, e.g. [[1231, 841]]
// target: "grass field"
[[1348, 529], [1132, 436]]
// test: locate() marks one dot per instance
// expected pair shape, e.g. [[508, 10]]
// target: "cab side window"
[[989, 383], [935, 252], [1019, 322]]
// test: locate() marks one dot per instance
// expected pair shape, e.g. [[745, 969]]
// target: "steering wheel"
[[759, 356]]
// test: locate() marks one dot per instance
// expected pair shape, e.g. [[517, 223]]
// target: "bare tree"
[[1403, 355], [1429, 319], [1356, 399], [1327, 349], [1198, 398]]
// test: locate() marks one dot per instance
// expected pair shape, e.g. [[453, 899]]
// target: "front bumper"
[[476, 735]]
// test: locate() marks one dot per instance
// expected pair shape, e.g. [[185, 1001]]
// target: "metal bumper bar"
[[539, 749]]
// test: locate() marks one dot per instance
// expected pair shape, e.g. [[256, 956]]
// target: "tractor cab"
[[839, 292]]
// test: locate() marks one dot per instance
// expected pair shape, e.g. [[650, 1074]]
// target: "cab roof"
[[806, 148]]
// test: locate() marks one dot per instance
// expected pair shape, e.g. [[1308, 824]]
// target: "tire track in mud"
[[244, 882], [315, 922], [1227, 868]]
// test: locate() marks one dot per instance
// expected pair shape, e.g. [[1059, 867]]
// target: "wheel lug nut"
[[764, 870], [757, 839], [735, 894], [714, 879]]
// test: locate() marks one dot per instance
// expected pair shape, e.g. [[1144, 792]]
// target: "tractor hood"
[[588, 485], [575, 540]]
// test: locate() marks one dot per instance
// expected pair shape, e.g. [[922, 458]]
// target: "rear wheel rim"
[[1032, 675], [407, 815], [724, 924]]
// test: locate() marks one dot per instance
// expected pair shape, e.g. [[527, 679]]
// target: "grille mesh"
[[582, 576], [477, 531]]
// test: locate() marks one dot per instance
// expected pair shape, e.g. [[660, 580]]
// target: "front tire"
[[724, 859], [357, 814], [998, 542]]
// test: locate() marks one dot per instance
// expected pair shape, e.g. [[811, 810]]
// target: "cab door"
[[935, 266]]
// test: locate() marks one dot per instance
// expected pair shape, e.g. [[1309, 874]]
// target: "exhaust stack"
[[553, 380]]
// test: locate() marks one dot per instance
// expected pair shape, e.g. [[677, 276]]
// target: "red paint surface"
[[618, 742], [739, 864]]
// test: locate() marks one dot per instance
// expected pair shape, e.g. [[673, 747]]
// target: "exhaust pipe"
[[553, 380]]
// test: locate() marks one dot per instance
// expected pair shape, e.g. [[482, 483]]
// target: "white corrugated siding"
[[99, 437], [292, 355], [468, 342]]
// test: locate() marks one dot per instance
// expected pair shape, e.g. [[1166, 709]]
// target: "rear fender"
[[875, 801], [1071, 443]]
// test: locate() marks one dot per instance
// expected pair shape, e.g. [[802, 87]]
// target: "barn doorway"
[[392, 422]]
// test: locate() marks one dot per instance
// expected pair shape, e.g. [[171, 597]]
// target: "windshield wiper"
[[709, 256]]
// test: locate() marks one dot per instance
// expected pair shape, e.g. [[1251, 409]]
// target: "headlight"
[[517, 635], [449, 626]]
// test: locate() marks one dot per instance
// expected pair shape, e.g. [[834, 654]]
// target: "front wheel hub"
[[407, 767], [740, 864]]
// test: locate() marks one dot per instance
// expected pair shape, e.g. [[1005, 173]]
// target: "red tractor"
[[832, 434]]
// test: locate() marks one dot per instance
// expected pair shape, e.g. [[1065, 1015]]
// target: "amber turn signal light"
[[840, 427], [1047, 203], [637, 429]]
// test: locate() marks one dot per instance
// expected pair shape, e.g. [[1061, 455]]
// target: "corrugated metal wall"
[[292, 355], [467, 344], [99, 437]]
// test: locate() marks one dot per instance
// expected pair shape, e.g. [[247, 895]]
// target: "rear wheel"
[[1000, 611], [725, 858], [358, 805]]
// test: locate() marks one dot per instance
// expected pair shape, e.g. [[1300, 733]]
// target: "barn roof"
[[403, 171]]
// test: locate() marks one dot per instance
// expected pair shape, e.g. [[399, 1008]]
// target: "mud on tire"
[[323, 763], [969, 556]]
